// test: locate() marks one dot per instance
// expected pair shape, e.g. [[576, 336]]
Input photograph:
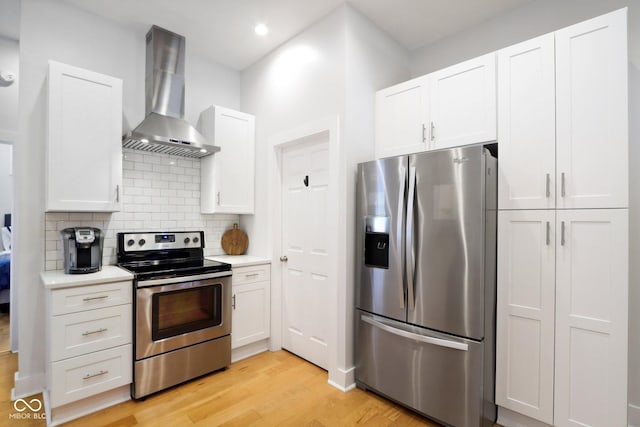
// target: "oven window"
[[186, 310]]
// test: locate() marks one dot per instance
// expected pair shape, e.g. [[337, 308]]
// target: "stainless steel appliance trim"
[[182, 279], [144, 344], [166, 370], [409, 250], [422, 338], [194, 240]]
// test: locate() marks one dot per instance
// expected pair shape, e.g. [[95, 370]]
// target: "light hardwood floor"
[[4, 332], [270, 389]]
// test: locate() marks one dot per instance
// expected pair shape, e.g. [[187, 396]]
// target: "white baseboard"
[[509, 418], [343, 379], [634, 415], [26, 386], [80, 408], [249, 350]]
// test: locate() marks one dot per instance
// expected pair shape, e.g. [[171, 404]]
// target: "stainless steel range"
[[182, 308]]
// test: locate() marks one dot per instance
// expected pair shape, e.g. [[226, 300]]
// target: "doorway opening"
[[6, 207]]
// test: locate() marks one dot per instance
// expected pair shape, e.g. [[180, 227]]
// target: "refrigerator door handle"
[[409, 252], [417, 337]]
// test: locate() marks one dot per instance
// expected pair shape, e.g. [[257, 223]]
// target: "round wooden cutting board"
[[234, 241]]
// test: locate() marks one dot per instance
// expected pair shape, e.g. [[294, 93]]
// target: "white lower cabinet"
[[591, 318], [89, 344], [90, 374], [561, 357], [526, 312], [251, 305]]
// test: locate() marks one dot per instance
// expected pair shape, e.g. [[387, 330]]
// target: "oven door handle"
[[181, 279]]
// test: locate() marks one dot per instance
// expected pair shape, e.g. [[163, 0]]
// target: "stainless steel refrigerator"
[[425, 282]]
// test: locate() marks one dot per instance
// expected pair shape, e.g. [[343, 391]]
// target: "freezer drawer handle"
[[422, 338]]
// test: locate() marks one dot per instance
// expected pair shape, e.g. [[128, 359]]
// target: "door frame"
[[10, 138], [328, 128]]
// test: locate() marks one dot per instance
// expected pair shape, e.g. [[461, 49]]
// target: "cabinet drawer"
[[71, 300], [94, 373], [87, 331], [252, 274]]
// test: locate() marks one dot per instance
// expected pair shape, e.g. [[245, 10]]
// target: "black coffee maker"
[[82, 249]]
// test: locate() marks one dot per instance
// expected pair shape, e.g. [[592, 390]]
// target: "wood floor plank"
[[269, 389]]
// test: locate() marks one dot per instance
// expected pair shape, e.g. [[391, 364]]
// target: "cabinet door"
[[591, 318], [401, 117], [463, 103], [526, 125], [592, 113], [250, 321], [525, 312], [84, 147], [227, 184]]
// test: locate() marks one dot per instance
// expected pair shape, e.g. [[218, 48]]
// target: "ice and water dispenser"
[[376, 242]]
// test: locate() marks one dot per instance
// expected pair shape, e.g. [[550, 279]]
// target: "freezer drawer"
[[435, 374]]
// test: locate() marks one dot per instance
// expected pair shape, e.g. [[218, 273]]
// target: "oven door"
[[179, 312]]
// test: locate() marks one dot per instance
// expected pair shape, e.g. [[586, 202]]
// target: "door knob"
[[284, 258]]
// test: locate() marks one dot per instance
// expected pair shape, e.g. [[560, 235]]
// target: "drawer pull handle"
[[97, 331], [95, 298], [251, 275], [86, 377]]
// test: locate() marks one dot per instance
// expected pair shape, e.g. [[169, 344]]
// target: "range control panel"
[[157, 241]]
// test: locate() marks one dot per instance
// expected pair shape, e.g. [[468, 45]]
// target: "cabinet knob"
[[284, 258]]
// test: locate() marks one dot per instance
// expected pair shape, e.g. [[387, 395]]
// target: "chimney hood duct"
[[164, 129]]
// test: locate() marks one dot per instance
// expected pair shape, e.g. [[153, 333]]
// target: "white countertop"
[[240, 260], [56, 279]]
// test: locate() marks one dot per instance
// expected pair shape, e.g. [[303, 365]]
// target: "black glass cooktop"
[[147, 270]]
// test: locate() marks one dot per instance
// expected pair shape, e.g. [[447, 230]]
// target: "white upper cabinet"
[[401, 118], [84, 140], [591, 317], [526, 125], [592, 113], [227, 184], [450, 107], [526, 312], [462, 103]]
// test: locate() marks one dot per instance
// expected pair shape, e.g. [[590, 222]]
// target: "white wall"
[[373, 61], [534, 19], [9, 61], [299, 82], [55, 30], [331, 69]]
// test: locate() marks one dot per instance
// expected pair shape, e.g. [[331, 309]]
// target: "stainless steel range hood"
[[164, 129]]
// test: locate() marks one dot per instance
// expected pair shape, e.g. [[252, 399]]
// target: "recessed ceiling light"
[[261, 29]]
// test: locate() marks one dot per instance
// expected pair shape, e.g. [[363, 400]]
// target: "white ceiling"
[[222, 30]]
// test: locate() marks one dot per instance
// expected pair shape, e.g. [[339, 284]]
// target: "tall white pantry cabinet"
[[562, 308]]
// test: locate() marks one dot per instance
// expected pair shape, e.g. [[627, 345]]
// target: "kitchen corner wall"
[[160, 192]]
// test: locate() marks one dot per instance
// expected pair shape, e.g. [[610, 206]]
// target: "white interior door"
[[305, 290]]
